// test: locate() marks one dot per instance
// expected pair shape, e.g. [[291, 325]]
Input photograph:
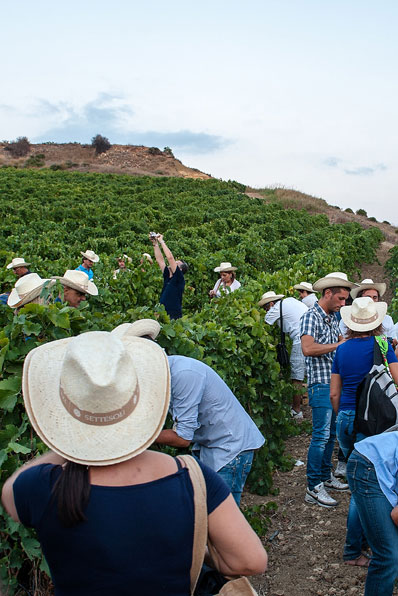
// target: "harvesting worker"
[[292, 311], [173, 277], [307, 294], [320, 337], [88, 260], [19, 267], [77, 287], [206, 413]]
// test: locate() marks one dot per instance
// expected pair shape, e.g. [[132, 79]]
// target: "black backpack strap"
[[281, 320]]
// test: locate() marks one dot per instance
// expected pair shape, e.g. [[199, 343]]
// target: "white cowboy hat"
[[17, 262], [94, 399], [304, 285], [90, 255], [369, 284], [78, 280], [364, 314], [224, 267], [26, 289], [137, 329], [333, 280], [269, 297], [148, 257]]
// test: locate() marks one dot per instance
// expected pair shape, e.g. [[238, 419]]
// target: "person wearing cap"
[[320, 337], [77, 287], [307, 294], [19, 267], [114, 517], [173, 277], [292, 311], [27, 290], [88, 260], [375, 291], [227, 282], [352, 362]]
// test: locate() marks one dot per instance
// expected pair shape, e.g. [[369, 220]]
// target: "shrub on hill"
[[101, 144], [361, 212], [18, 148]]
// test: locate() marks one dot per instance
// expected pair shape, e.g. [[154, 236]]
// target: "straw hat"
[[333, 280], [95, 399], [224, 267], [269, 297], [137, 329], [78, 280], [364, 314], [17, 262], [303, 285], [148, 257], [90, 255], [26, 289], [369, 284]]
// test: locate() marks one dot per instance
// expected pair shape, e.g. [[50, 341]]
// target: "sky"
[[299, 94]]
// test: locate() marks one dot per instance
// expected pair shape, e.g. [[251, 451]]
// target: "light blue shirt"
[[382, 451], [88, 272], [207, 413]]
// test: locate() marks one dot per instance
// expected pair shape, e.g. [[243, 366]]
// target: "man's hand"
[[153, 239], [394, 515]]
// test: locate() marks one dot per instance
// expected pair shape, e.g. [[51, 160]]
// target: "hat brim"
[[137, 329], [86, 256], [270, 299], [91, 287], [301, 287], [332, 282], [227, 270], [11, 266], [96, 445], [345, 311], [380, 288]]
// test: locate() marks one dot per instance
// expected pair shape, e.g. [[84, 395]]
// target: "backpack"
[[376, 397]]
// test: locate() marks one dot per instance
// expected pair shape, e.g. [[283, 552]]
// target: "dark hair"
[[184, 267], [350, 333], [72, 492], [335, 290], [361, 293]]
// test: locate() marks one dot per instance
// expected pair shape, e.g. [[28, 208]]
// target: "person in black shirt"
[[173, 277]]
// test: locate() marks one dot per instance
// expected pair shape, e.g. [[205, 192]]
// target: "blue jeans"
[[382, 534], [355, 535], [319, 458], [235, 473]]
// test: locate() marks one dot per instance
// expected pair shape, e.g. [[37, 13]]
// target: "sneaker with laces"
[[319, 496], [296, 415], [341, 469], [335, 484]]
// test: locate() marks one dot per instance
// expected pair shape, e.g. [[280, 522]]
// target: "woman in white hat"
[[113, 517], [352, 362], [227, 282]]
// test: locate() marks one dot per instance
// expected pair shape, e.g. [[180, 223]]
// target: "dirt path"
[[305, 542]]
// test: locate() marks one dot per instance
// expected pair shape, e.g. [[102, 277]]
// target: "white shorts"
[[297, 363]]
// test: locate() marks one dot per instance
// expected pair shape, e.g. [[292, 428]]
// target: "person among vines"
[[307, 294], [88, 260], [112, 516], [27, 290], [227, 282], [77, 287], [19, 267], [173, 277]]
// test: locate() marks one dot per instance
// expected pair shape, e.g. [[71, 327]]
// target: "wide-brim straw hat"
[[139, 328], [224, 268], [148, 257], [78, 280], [333, 280], [269, 297], [304, 285], [95, 399], [90, 255], [26, 289], [17, 262], [369, 284], [364, 314]]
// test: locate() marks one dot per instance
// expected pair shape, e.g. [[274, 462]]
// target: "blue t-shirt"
[[353, 360], [88, 272], [172, 291], [137, 540]]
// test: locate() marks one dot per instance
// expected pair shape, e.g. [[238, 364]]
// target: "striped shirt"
[[324, 328]]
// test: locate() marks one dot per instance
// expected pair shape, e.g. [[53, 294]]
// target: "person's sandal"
[[361, 561]]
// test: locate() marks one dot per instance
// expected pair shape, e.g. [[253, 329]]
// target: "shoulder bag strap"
[[200, 508], [281, 320]]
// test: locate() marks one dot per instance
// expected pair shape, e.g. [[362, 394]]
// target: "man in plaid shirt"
[[319, 339]]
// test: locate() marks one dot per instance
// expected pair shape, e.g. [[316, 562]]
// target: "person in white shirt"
[[292, 311], [307, 294], [227, 282], [374, 290]]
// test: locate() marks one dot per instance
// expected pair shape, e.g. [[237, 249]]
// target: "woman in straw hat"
[[352, 362], [227, 282], [112, 516]]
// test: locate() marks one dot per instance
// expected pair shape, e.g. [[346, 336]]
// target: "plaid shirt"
[[325, 330]]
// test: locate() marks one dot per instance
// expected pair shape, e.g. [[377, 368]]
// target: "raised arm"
[[158, 253], [168, 254]]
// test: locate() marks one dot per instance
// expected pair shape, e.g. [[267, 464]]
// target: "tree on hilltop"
[[101, 144], [18, 148]]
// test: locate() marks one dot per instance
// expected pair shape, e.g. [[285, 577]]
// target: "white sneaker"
[[335, 484], [341, 469], [296, 415], [319, 496]]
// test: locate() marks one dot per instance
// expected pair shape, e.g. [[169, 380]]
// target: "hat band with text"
[[100, 418], [364, 321]]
